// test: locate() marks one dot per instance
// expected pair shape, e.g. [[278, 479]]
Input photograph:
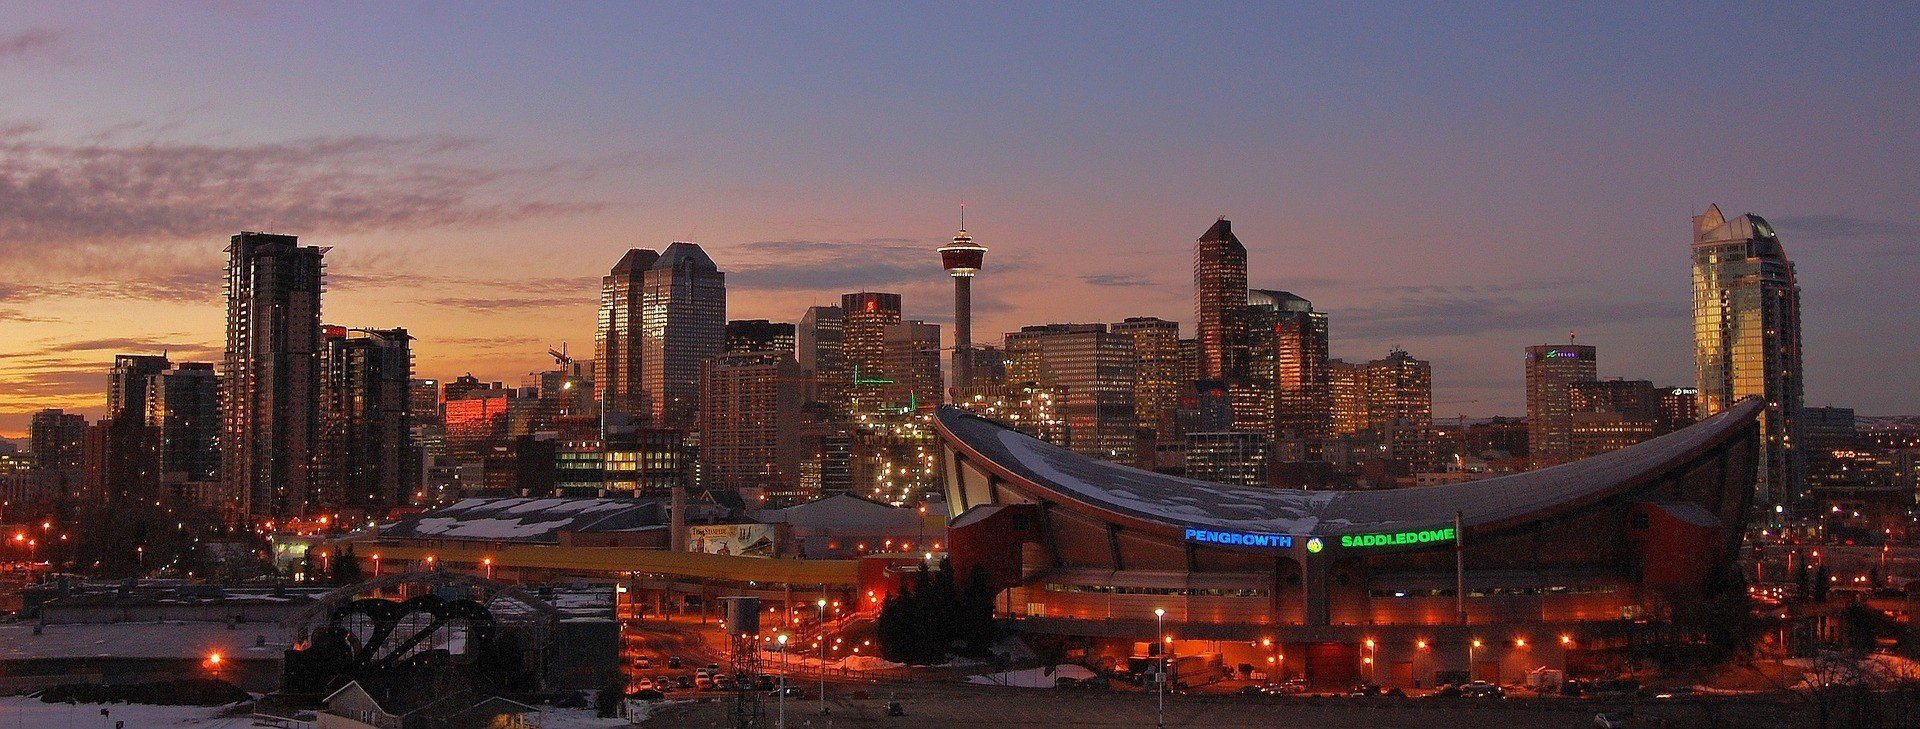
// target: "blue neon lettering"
[[1239, 539]]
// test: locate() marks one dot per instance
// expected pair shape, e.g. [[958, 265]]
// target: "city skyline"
[[1448, 237]]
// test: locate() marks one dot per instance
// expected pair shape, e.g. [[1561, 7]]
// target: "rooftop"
[[1189, 503]]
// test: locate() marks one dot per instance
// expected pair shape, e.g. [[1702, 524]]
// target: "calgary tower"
[[962, 260]]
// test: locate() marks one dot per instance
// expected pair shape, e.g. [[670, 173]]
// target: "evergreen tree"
[[933, 613], [346, 567], [1822, 582], [973, 622], [894, 628]]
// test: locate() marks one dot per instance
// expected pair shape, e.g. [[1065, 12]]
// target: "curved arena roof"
[[1068, 477]]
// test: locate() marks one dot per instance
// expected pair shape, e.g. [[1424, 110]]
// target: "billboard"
[[744, 540]]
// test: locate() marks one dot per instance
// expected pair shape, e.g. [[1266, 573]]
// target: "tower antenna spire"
[[963, 215]]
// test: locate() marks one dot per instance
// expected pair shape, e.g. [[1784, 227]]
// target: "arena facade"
[[1493, 579]]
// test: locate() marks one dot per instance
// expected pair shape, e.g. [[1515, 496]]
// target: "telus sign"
[[1239, 539]]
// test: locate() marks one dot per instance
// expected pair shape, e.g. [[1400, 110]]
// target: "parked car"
[[643, 662], [645, 683], [683, 682], [1482, 690], [895, 709], [647, 695], [791, 692], [723, 683], [1066, 682], [673, 662], [1294, 686], [764, 682], [1250, 691], [703, 682], [1364, 689]]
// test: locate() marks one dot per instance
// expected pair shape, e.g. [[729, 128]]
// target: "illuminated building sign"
[[1239, 539], [1398, 539], [1562, 354]]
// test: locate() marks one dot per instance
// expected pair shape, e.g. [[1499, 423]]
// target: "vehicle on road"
[[673, 662], [895, 709], [791, 692]]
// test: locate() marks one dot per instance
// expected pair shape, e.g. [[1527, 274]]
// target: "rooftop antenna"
[[963, 216]]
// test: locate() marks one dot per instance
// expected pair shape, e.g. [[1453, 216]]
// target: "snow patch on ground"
[[1013, 648], [869, 663], [1033, 677], [21, 711]]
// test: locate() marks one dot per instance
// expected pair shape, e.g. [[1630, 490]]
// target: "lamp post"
[[488, 563], [1470, 649], [1160, 619], [823, 655], [782, 722]]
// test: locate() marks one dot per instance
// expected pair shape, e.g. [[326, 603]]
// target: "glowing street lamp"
[[488, 563], [822, 603], [1160, 616], [782, 723]]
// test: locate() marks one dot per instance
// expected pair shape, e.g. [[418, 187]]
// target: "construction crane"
[[560, 356]]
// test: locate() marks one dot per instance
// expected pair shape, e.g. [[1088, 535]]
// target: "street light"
[[823, 655], [1470, 649], [1373, 668], [782, 724], [1160, 616], [488, 563]]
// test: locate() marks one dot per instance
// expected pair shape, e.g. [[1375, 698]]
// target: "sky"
[[1460, 180]]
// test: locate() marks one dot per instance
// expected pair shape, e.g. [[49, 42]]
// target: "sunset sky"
[[1459, 180]]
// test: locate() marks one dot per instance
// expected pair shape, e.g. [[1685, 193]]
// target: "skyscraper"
[[1290, 353], [818, 342], [750, 422], [1094, 369], [366, 457], [57, 439], [912, 362], [1550, 369], [1746, 338], [865, 317], [962, 259], [127, 386], [616, 344], [270, 380], [683, 322], [1159, 375], [747, 336], [1347, 385], [1219, 298], [1400, 408], [184, 403]]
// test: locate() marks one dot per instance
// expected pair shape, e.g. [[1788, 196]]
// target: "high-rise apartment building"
[[128, 385], [1232, 456], [912, 362], [1550, 369], [1219, 301], [270, 377], [750, 422], [747, 336], [184, 404], [864, 320], [1289, 352], [1094, 370], [684, 323], [1746, 339], [818, 342], [367, 456], [1159, 374], [57, 439]]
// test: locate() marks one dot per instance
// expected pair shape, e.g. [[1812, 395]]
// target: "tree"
[[894, 628], [933, 611], [1822, 583], [346, 567], [973, 621]]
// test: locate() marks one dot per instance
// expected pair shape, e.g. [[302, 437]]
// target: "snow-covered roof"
[[843, 511], [1189, 503], [526, 520]]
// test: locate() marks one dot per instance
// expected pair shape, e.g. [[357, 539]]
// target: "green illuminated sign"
[[1398, 539]]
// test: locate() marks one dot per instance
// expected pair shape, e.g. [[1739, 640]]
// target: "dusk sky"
[[1459, 181]]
